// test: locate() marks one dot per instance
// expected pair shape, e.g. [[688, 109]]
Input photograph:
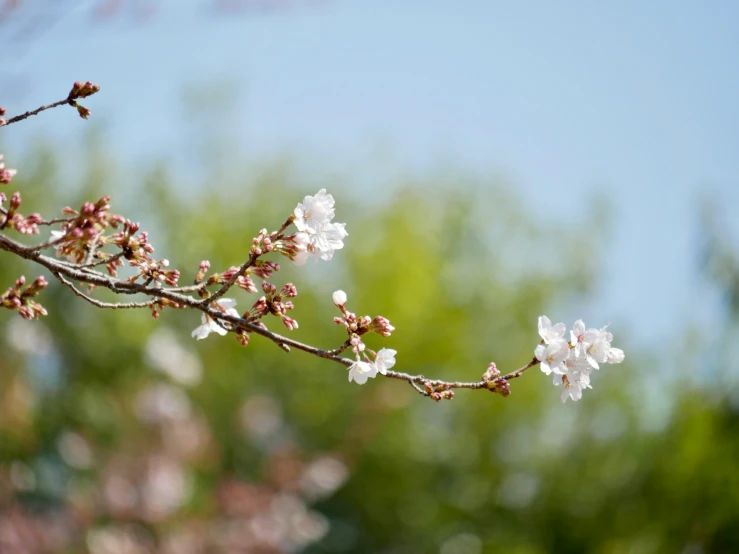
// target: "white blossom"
[[580, 337], [314, 212], [571, 363], [575, 363], [550, 333], [552, 355], [597, 350], [385, 359], [573, 385], [209, 326], [329, 238], [359, 372], [318, 235]]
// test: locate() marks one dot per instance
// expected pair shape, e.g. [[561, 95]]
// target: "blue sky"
[[635, 100]]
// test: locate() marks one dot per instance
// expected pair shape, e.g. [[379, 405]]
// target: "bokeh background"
[[494, 161]]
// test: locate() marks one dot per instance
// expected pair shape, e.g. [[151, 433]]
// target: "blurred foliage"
[[119, 434]]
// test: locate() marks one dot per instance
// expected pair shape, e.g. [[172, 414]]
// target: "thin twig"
[[56, 220], [102, 261], [99, 304], [21, 117], [519, 372]]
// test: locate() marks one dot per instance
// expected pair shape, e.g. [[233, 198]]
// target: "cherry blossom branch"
[[79, 90], [84, 234], [37, 111], [65, 272]]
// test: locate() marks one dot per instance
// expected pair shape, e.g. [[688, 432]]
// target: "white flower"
[[339, 297], [571, 363], [359, 372], [314, 212], [209, 326], [597, 350], [548, 332], [574, 384], [576, 363], [329, 238], [580, 338], [318, 235], [385, 359], [552, 355]]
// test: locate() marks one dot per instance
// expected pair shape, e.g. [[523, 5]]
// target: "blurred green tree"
[[121, 434]]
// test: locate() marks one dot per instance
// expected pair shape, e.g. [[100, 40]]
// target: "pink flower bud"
[[40, 283], [243, 337], [491, 373], [15, 201], [289, 290], [84, 112], [290, 323], [381, 326], [25, 312], [502, 387]]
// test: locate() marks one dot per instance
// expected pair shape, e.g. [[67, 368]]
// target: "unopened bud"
[[289, 290], [15, 201], [490, 374], [381, 326], [339, 298], [84, 112], [40, 283]]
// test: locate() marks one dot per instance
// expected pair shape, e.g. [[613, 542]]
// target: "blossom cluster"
[[571, 362], [81, 238], [364, 366], [360, 371], [13, 219], [84, 229], [318, 235], [82, 90], [19, 299]]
